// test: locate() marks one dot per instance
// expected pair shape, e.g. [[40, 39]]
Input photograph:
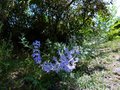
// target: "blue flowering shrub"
[[57, 64], [64, 61]]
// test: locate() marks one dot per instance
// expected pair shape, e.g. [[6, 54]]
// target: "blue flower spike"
[[36, 52]]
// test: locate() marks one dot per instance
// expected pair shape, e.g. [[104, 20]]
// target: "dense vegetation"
[[61, 26]]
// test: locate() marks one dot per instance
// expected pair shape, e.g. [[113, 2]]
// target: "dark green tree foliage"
[[56, 20]]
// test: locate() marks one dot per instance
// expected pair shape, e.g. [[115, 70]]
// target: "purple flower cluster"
[[36, 52], [66, 61]]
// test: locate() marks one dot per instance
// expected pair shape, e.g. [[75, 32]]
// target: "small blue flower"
[[71, 67], [69, 56], [72, 51], [66, 50], [36, 44], [55, 59], [37, 58], [36, 50], [63, 58], [56, 67], [66, 68], [46, 66]]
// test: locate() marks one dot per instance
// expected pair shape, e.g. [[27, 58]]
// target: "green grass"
[[103, 78]]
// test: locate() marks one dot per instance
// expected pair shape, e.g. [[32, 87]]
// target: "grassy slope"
[[102, 68]]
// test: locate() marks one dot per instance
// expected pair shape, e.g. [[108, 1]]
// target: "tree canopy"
[[56, 20]]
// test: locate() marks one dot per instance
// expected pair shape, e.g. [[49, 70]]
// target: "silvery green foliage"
[[24, 41]]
